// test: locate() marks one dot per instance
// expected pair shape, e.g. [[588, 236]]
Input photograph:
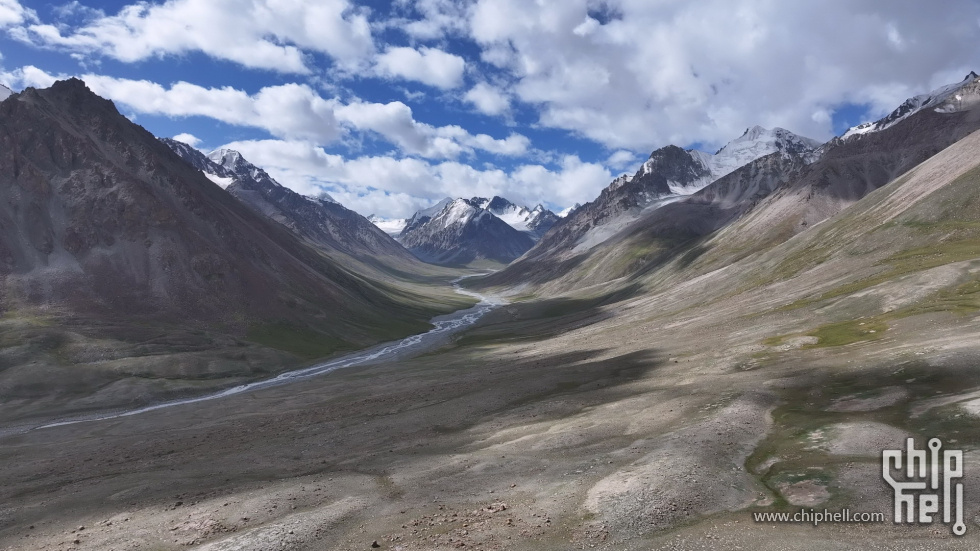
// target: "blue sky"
[[391, 105]]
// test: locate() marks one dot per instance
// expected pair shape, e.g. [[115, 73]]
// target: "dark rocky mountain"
[[321, 221], [461, 231], [117, 254]]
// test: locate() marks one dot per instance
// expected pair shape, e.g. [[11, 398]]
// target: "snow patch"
[[223, 183], [392, 227]]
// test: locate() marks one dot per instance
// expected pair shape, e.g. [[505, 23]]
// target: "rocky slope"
[[670, 174], [461, 231], [321, 221]]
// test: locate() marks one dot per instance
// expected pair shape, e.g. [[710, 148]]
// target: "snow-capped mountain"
[[915, 104], [534, 222], [424, 215], [460, 231], [754, 143], [391, 226], [667, 176], [320, 220], [234, 166], [5, 92]]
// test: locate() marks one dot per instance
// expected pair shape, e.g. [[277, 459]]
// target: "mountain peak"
[[228, 158], [74, 95], [73, 85], [944, 99]]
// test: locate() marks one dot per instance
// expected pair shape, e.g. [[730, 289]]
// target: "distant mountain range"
[[461, 231], [786, 185]]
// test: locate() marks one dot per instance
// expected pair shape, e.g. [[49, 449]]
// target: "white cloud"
[[24, 77], [488, 99], [396, 123], [13, 13], [189, 139], [651, 73], [291, 112], [396, 188], [437, 19], [621, 159], [426, 65], [263, 34]]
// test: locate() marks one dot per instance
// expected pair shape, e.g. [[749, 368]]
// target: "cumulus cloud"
[[24, 77], [621, 159], [435, 20], [189, 139], [637, 75], [396, 123], [488, 99], [263, 34], [426, 65], [394, 187], [13, 13]]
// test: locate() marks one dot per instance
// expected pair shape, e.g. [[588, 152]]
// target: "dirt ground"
[[644, 424]]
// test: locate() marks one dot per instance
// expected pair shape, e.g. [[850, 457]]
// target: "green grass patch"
[[848, 332], [301, 341], [900, 264]]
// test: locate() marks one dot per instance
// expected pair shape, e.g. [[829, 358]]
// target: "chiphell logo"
[[929, 475]]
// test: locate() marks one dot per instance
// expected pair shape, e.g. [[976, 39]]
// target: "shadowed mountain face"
[[101, 221], [321, 221]]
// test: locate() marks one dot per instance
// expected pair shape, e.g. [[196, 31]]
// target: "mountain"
[[534, 222], [129, 262], [5, 92], [947, 97], [321, 221], [670, 174], [756, 207], [461, 231]]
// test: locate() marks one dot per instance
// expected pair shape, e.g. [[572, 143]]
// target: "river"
[[444, 326]]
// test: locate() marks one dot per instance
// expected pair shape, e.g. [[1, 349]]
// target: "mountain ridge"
[[460, 232]]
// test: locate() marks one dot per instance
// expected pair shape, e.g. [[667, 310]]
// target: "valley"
[[696, 345]]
